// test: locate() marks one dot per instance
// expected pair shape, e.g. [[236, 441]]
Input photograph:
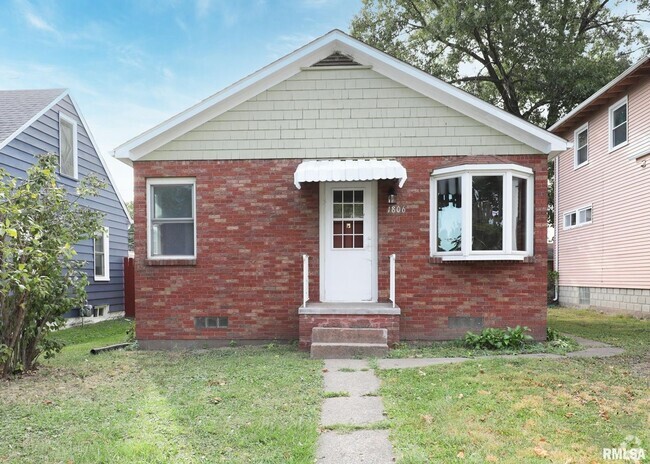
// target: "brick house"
[[338, 187]]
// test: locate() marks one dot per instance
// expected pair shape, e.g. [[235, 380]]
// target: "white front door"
[[348, 241]]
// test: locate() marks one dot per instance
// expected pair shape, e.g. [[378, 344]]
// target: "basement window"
[[211, 322], [482, 212]]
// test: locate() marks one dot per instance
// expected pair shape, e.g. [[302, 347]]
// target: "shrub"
[[552, 335], [497, 339]]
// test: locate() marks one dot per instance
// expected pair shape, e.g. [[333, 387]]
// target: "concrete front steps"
[[348, 343]]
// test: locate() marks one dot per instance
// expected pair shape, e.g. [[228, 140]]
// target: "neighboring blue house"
[[34, 122]]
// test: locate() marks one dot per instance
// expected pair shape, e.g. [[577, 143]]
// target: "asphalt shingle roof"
[[18, 106]]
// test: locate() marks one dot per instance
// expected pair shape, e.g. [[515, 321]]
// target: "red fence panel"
[[129, 287]]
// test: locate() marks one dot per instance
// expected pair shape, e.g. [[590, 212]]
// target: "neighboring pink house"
[[338, 188], [602, 206]]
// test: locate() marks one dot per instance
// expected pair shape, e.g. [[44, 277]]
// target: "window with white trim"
[[171, 217], [68, 163], [101, 256], [482, 212], [580, 146], [618, 124], [577, 217]]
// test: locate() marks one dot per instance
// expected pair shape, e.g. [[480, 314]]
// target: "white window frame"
[[577, 212], [614, 107], [508, 171], [106, 276], [149, 198], [104, 309], [75, 153], [580, 130]]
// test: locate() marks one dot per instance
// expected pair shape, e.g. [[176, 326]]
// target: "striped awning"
[[349, 170]]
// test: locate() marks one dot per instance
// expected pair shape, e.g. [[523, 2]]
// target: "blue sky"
[[133, 64]]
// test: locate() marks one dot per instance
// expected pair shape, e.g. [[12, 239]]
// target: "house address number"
[[395, 209]]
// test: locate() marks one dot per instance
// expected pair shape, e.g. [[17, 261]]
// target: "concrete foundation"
[[615, 299]]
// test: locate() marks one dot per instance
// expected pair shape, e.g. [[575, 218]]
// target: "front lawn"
[[524, 410], [230, 405]]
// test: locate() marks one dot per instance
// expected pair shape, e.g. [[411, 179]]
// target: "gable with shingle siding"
[[339, 113]]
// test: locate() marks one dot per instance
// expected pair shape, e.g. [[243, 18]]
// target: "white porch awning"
[[349, 170]]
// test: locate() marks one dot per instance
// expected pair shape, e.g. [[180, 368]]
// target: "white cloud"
[[38, 22]]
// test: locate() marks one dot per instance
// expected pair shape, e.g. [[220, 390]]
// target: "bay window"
[[482, 212], [171, 218]]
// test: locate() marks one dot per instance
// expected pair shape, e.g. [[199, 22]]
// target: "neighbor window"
[[67, 146], [618, 124], [580, 146], [482, 212], [578, 217], [172, 218], [101, 255]]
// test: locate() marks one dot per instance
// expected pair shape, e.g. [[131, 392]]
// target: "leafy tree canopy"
[[537, 59]]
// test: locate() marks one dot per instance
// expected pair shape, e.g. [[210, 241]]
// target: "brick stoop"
[[346, 343]]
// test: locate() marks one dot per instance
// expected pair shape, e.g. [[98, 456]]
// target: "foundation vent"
[[210, 322]]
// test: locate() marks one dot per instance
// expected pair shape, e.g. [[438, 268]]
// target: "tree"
[[40, 279], [129, 206], [536, 59]]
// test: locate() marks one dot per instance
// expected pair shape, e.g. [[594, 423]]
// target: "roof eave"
[[555, 128]]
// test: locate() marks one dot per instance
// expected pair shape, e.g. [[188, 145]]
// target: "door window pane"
[[519, 213], [347, 233], [487, 213], [450, 216]]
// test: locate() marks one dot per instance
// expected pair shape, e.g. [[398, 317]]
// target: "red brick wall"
[[254, 225]]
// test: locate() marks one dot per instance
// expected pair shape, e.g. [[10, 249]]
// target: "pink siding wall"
[[613, 251]]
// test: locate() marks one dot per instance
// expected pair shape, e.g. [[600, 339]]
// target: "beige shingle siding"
[[614, 251], [337, 114]]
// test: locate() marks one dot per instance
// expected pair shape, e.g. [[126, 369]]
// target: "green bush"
[[497, 339], [552, 335]]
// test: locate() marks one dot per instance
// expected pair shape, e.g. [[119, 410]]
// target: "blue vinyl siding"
[[43, 137]]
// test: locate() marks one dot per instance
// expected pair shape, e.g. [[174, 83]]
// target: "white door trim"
[[323, 236]]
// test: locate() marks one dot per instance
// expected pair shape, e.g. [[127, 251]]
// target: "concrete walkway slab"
[[360, 447], [358, 383], [596, 352], [336, 364], [352, 411], [585, 342]]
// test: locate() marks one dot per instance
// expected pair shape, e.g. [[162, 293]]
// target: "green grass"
[[456, 349], [226, 405], [524, 410], [630, 333]]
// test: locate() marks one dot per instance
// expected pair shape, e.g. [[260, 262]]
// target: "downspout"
[[556, 257]]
